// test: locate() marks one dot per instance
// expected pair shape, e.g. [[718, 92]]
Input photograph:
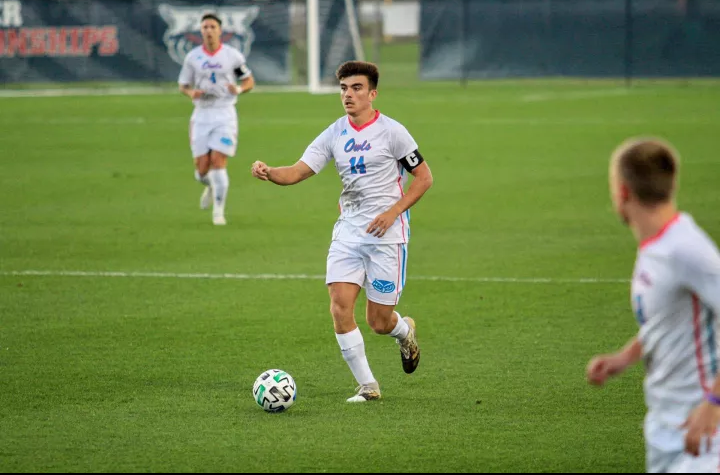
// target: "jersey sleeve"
[[319, 152], [402, 143], [700, 273], [241, 69], [187, 74], [404, 148]]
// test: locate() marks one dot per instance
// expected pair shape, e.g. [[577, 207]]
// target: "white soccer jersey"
[[676, 299], [367, 159], [212, 73]]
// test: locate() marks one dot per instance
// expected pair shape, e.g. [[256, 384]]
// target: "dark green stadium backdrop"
[[575, 38]]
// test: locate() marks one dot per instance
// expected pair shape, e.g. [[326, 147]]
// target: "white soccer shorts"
[[220, 136], [665, 446], [379, 268]]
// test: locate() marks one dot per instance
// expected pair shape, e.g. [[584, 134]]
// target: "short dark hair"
[[359, 68], [649, 168], [211, 16]]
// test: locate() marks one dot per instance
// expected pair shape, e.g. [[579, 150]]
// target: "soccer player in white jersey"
[[676, 301], [373, 155], [209, 77]]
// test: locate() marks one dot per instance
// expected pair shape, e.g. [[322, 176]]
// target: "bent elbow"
[[249, 84], [429, 181]]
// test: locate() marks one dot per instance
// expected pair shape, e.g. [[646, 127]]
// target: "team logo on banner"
[[183, 33]]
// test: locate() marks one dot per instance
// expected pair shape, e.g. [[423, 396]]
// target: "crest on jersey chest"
[[183, 33]]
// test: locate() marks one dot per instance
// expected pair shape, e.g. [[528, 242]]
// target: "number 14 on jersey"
[[357, 165]]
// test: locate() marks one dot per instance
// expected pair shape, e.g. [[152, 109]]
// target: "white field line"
[[229, 276], [572, 95], [69, 121], [125, 91]]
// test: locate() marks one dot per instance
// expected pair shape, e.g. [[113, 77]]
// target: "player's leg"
[[384, 320], [199, 137], [202, 167], [223, 142], [386, 267], [345, 275], [220, 183]]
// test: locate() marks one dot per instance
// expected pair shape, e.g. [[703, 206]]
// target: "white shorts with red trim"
[[379, 268], [665, 447]]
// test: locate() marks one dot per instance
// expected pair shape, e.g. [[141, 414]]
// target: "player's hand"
[[702, 423], [260, 171], [382, 223], [601, 368], [233, 89], [196, 94]]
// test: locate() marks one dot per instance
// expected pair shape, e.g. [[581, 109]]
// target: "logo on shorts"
[[383, 286], [183, 33], [226, 141]]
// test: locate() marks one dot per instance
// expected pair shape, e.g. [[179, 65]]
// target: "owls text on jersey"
[[212, 73], [676, 299], [373, 162]]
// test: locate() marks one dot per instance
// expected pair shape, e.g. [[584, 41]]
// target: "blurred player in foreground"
[[676, 300]]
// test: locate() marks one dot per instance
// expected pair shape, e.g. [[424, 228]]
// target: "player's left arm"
[[416, 165], [245, 86], [700, 271], [244, 74], [422, 181]]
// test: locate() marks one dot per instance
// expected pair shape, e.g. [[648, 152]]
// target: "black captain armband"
[[241, 71], [412, 161]]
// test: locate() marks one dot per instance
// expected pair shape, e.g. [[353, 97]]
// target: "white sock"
[[220, 183], [353, 351], [202, 178], [401, 330]]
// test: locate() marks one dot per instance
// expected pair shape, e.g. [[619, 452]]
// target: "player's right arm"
[[316, 156], [187, 90], [602, 367], [186, 79], [283, 176]]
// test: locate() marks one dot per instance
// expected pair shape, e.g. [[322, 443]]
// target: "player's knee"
[[378, 326], [218, 160], [340, 310], [202, 165], [379, 321], [343, 317], [202, 171]]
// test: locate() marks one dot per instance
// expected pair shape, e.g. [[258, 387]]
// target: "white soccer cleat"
[[369, 392], [219, 220], [206, 198]]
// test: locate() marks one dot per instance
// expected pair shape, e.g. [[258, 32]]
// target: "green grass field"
[[154, 373]]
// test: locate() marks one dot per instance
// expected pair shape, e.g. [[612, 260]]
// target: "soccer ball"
[[274, 390]]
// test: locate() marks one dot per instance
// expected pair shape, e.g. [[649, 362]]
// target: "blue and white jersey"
[[368, 161], [212, 73], [676, 300]]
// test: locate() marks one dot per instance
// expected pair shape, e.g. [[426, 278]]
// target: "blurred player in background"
[[373, 155], [676, 300], [209, 77]]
